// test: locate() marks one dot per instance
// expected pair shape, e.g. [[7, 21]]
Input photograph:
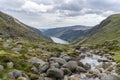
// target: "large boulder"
[[109, 77], [36, 61], [55, 72], [15, 74], [34, 70], [44, 68], [71, 65], [58, 60]]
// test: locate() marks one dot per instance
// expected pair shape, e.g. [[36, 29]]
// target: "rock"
[[89, 54], [66, 78], [95, 73], [71, 65], [58, 60], [84, 49], [21, 78], [82, 56], [80, 64], [80, 69], [10, 64], [34, 70], [15, 74], [66, 71], [25, 76], [74, 78], [103, 60], [44, 68], [46, 78], [36, 60], [87, 66], [55, 65], [55, 73], [1, 68], [67, 58], [106, 65]]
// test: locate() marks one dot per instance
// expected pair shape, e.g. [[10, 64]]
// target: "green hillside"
[[107, 30]]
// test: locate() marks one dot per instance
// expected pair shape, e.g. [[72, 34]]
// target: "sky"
[[60, 13]]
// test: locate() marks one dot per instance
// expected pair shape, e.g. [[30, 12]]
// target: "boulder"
[[15, 74], [87, 66], [71, 65], [58, 60], [36, 61], [80, 69], [55, 73], [55, 65], [34, 70], [1, 68], [21, 78], [66, 71], [10, 64], [44, 68]]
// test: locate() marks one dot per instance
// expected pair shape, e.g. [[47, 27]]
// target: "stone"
[[37, 61], [44, 68], [34, 70], [71, 65], [1, 68], [21, 78], [74, 78], [80, 69], [87, 66], [66, 71], [58, 60], [55, 73], [15, 74], [10, 64]]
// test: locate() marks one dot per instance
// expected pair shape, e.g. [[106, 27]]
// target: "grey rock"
[[10, 64], [66, 71], [37, 61], [80, 69], [58, 60], [71, 65], [108, 77], [44, 68], [1, 68], [15, 74], [55, 73], [34, 70]]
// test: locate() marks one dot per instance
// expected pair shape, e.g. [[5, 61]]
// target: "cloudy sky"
[[59, 13]]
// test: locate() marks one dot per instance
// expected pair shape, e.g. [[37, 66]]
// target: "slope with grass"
[[107, 30]]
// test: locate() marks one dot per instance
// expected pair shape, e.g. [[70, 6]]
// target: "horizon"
[[62, 13]]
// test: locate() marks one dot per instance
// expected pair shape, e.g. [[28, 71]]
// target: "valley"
[[74, 53]]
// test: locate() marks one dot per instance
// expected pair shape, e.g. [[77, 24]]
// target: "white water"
[[91, 60], [58, 40]]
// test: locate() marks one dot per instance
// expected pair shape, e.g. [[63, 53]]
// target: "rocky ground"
[[86, 65]]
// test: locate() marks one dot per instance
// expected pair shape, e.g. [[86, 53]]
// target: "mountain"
[[13, 28], [70, 33], [107, 30]]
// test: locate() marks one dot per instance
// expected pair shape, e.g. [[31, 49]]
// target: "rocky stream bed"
[[87, 64]]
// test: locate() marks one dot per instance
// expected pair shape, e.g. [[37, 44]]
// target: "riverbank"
[[87, 64]]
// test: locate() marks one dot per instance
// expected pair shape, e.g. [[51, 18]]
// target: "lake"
[[58, 40]]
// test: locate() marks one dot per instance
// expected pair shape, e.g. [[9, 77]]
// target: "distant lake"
[[58, 40]]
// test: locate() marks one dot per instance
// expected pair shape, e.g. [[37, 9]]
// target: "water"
[[91, 60], [58, 40]]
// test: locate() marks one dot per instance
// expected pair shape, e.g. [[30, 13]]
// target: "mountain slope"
[[70, 33], [12, 28], [107, 30]]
